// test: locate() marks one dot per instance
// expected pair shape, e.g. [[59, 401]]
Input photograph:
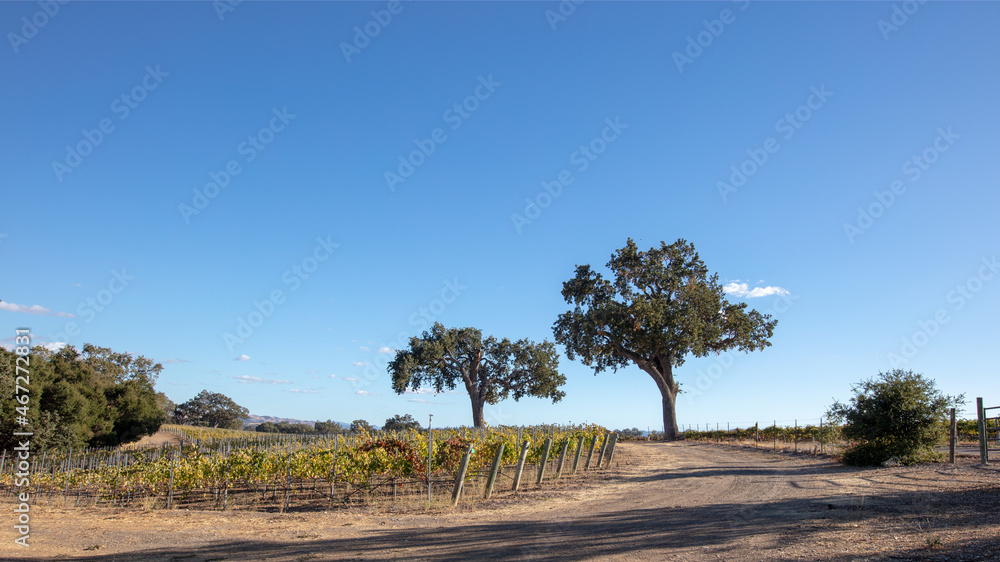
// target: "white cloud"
[[743, 290], [350, 379], [384, 349], [305, 391], [366, 393], [333, 376], [244, 379], [33, 309], [420, 401], [243, 357], [175, 361], [360, 364], [54, 346], [420, 391], [364, 348]]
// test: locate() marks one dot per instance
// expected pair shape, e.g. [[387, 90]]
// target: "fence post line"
[[611, 450], [456, 494], [544, 459], [170, 489], [494, 470], [795, 436], [952, 437], [579, 452], [520, 464]]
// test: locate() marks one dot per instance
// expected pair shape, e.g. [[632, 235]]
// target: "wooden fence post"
[[520, 464], [604, 447], [456, 494], [170, 489], [984, 451], [579, 452], [611, 449], [562, 459], [590, 455], [544, 460], [494, 470], [952, 437]]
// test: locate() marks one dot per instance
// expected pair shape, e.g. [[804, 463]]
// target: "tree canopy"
[[95, 398], [661, 306], [401, 423], [211, 409], [361, 425], [898, 414], [491, 370]]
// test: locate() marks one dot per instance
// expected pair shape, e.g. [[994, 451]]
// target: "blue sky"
[[171, 168]]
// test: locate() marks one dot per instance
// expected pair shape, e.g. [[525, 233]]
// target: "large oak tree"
[[661, 307], [490, 369]]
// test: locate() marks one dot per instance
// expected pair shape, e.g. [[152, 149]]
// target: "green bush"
[[897, 414]]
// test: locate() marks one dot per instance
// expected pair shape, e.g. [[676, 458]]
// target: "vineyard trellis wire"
[[225, 469]]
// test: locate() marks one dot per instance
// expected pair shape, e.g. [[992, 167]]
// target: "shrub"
[[896, 414]]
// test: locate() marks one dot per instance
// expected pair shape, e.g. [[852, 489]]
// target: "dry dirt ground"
[[661, 501]]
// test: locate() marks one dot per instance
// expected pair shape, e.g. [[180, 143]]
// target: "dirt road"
[[661, 502]]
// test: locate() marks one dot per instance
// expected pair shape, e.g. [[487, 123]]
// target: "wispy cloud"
[[743, 290], [304, 391], [243, 357], [364, 348], [333, 376], [360, 364], [175, 361], [384, 349], [54, 346], [366, 393], [33, 309], [350, 379], [420, 391], [420, 401], [245, 379]]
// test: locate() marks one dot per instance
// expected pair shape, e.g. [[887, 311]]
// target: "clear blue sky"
[[838, 103]]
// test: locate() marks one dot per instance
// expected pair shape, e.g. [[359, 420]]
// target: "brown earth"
[[661, 501]]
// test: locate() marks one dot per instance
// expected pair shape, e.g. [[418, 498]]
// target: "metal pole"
[[952, 437]]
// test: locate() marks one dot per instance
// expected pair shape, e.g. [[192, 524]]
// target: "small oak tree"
[[211, 409], [490, 369], [898, 414], [401, 423], [661, 307]]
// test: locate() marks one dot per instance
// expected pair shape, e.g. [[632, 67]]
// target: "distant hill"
[[254, 420]]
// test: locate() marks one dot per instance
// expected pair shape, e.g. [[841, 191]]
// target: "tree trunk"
[[477, 413], [670, 430]]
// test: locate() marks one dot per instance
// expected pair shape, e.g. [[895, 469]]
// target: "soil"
[[659, 501]]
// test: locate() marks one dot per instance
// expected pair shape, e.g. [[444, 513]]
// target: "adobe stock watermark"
[[364, 34], [422, 319], [31, 25], [225, 7], [456, 116], [958, 297], [581, 158], [913, 168], [122, 106], [787, 126], [563, 11], [293, 277], [898, 17], [697, 43], [705, 378], [90, 307], [249, 149]]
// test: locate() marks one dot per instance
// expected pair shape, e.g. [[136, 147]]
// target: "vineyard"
[[226, 469]]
